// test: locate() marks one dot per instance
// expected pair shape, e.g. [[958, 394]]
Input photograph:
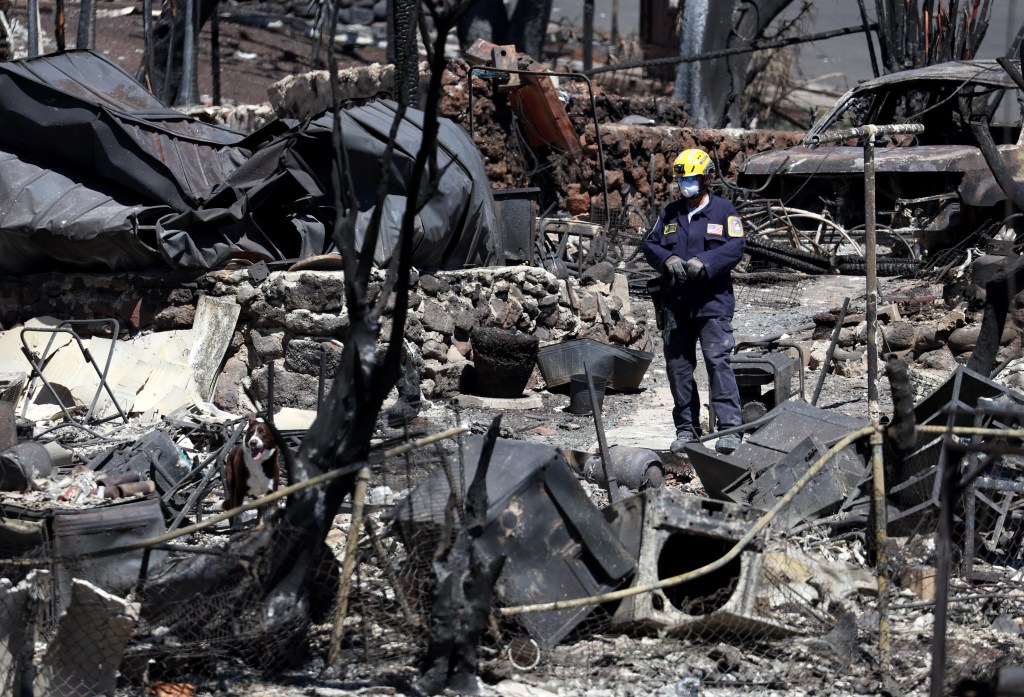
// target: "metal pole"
[[831, 349], [877, 465], [610, 480], [615, 22], [215, 53], [588, 35], [186, 92], [33, 28], [946, 471], [881, 549], [871, 277], [84, 14]]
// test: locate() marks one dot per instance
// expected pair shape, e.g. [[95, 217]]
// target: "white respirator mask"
[[689, 187]]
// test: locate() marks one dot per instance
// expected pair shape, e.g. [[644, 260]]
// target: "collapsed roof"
[[99, 175]]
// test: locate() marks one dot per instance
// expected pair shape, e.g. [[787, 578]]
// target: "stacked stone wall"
[[298, 323]]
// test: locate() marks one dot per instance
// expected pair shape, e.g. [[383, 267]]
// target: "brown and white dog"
[[252, 467]]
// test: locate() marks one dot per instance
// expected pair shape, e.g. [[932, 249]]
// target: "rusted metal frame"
[[484, 70], [611, 484]]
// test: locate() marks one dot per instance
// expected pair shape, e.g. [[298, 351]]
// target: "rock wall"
[[630, 151], [296, 321]]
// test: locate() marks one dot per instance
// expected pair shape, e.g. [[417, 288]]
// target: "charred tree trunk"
[[529, 26], [402, 51], [713, 88], [168, 49], [909, 37], [486, 19], [465, 585]]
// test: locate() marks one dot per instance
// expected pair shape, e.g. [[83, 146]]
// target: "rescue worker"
[[695, 243]]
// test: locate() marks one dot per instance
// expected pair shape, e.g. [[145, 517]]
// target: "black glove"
[[695, 269], [676, 270]]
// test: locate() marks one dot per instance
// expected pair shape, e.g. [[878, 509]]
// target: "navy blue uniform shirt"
[[715, 236]]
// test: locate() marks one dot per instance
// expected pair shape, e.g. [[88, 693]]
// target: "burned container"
[[78, 534], [764, 379], [502, 361], [671, 533], [557, 544]]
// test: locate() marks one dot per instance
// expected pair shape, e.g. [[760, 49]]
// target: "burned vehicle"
[[934, 190]]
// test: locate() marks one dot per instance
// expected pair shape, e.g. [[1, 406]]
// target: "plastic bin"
[[623, 368]]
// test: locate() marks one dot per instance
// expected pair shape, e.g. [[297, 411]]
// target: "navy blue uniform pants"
[[716, 343]]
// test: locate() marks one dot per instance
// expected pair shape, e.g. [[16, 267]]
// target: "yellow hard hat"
[[691, 162]]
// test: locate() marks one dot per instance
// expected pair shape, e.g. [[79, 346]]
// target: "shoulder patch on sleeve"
[[735, 226], [671, 228]]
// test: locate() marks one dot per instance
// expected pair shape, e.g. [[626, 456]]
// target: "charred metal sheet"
[[727, 477], [823, 495], [95, 173], [556, 543], [672, 533], [543, 115], [84, 110]]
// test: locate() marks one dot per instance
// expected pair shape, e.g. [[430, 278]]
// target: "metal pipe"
[[215, 53], [186, 91], [588, 34], [881, 551], [606, 461], [947, 475], [871, 273], [33, 28], [831, 349]]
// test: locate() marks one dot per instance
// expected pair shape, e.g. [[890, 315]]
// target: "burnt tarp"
[[97, 174], [286, 183]]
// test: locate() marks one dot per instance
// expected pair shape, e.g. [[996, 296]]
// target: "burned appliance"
[[765, 380], [777, 453], [79, 535], [671, 533], [557, 544]]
